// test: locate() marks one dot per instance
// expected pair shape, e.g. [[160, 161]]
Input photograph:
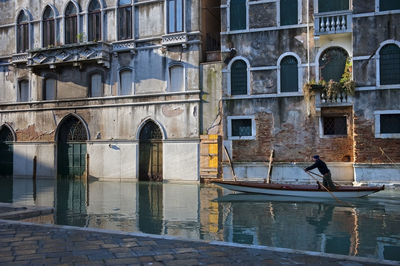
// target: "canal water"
[[368, 227]]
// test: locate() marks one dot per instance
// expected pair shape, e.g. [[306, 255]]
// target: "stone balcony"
[[333, 22], [180, 38], [74, 54], [340, 99]]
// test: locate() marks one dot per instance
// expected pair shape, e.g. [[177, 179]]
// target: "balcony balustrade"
[[333, 22], [339, 99]]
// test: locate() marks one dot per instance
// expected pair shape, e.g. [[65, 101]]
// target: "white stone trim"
[[152, 119], [377, 58], [261, 96], [59, 124], [378, 133], [321, 126], [295, 26], [253, 127], [299, 72], [5, 124], [229, 73]]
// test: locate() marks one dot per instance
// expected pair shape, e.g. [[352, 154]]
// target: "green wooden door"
[[6, 159], [150, 153], [72, 159]]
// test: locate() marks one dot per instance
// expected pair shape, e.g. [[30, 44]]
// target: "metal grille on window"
[[332, 63], [389, 5], [73, 130], [237, 14], [389, 64], [241, 127], [239, 78], [390, 123], [150, 131], [288, 12], [335, 125], [289, 74]]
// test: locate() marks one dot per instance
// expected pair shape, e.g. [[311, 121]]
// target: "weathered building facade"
[[280, 58], [117, 80]]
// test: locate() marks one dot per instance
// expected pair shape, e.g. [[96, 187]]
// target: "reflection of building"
[[91, 76], [272, 49]]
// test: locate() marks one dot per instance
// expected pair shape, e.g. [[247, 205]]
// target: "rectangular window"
[[288, 12], [175, 16], [241, 127], [50, 89], [96, 85], [70, 29], [126, 82], [125, 23], [176, 78], [23, 38], [335, 125], [385, 5], [335, 5], [238, 14], [390, 123], [23, 91]]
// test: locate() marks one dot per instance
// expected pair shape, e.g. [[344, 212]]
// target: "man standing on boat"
[[323, 169]]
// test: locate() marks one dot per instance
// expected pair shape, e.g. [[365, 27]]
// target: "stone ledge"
[[14, 212]]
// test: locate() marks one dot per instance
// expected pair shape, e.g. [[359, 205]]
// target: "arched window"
[[71, 23], [385, 5], [176, 78], [239, 78], [332, 63], [48, 27], [22, 32], [94, 23], [96, 85], [389, 64], [238, 14], [49, 92], [124, 19], [288, 12], [175, 15], [289, 74], [125, 77], [23, 91]]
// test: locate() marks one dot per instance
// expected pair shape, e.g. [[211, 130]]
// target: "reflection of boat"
[[252, 197], [298, 190]]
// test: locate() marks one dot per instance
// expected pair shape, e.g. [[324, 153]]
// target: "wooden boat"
[[298, 190]]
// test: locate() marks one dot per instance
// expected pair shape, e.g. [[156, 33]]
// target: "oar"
[[323, 177], [333, 196]]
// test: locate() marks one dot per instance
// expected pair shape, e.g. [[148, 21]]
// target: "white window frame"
[[253, 127], [321, 126], [229, 76], [167, 16], [378, 62], [299, 74], [378, 133], [175, 64]]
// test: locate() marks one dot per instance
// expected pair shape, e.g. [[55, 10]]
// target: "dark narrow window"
[[48, 27], [71, 24], [239, 78], [23, 91], [289, 12], [94, 16], [124, 20], [237, 14], [389, 5], [289, 74], [22, 32], [389, 64], [335, 125], [335, 5], [126, 82], [175, 16], [390, 123], [332, 64], [49, 89], [96, 85], [241, 128]]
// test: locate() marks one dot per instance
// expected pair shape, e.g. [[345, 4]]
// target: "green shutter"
[[332, 63], [237, 14], [289, 74], [389, 62], [389, 5], [239, 78], [289, 12], [332, 5]]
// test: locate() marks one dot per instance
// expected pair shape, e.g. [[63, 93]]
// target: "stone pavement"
[[23, 243]]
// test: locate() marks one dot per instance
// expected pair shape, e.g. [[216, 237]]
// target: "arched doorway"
[[71, 150], [6, 151], [150, 153], [332, 63]]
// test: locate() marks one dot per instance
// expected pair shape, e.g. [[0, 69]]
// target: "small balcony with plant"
[[332, 17]]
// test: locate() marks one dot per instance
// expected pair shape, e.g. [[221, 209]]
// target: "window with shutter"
[[23, 91], [239, 78], [176, 75], [289, 74], [329, 6], [389, 64], [48, 27], [126, 82], [96, 85], [49, 89], [94, 16], [22, 32], [237, 14], [124, 19], [175, 16], [288, 12], [71, 24]]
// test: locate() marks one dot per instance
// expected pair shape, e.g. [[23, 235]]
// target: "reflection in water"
[[369, 227]]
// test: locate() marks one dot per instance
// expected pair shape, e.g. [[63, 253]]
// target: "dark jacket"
[[323, 169]]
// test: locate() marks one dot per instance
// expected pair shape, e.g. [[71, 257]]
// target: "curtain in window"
[[124, 20], [289, 12], [126, 82], [22, 32], [239, 78], [176, 78], [333, 5], [50, 89], [389, 5], [94, 17], [71, 24], [175, 16], [48, 27], [332, 64], [241, 127], [24, 91], [237, 14], [289, 74], [389, 64], [96, 85]]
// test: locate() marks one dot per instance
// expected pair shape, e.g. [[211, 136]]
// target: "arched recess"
[[7, 137], [331, 63], [71, 136], [150, 152]]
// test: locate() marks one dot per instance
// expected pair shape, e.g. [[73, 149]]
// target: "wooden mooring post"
[[34, 177], [271, 157], [87, 179]]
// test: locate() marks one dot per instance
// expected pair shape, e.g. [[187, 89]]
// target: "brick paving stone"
[[164, 257], [6, 258], [183, 262], [124, 261]]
